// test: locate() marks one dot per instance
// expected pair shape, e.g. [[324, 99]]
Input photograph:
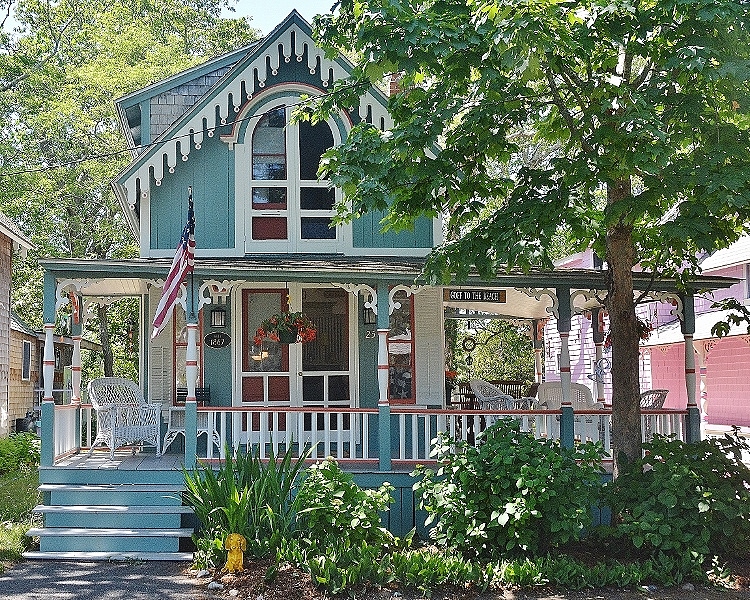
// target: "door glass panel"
[[317, 198], [401, 350], [313, 141], [328, 309], [269, 356]]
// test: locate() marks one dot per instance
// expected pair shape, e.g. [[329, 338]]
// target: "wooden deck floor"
[[124, 460]]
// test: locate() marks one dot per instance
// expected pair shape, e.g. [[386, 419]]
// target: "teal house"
[[369, 390]]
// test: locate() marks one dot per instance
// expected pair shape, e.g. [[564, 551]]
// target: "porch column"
[[563, 328], [693, 420], [75, 367], [48, 360], [538, 343], [191, 376], [597, 332], [384, 408]]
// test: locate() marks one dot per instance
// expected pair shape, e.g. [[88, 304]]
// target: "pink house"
[[722, 365]]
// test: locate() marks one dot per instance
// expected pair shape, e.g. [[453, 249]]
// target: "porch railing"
[[350, 435]]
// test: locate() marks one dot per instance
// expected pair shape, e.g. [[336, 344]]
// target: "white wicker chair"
[[491, 397], [123, 417]]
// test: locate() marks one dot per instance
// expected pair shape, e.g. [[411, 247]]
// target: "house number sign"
[[217, 339], [476, 295]]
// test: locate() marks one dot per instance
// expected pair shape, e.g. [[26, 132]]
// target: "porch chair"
[[205, 425], [550, 398], [491, 397], [123, 417], [651, 400]]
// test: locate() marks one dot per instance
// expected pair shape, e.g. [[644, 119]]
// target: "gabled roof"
[[10, 229], [735, 254], [290, 41]]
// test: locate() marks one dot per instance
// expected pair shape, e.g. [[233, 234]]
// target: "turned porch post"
[[693, 419], [563, 328], [384, 408], [191, 376]]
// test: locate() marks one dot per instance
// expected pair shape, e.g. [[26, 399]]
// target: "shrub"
[[247, 496], [334, 511], [18, 451], [685, 499], [513, 495]]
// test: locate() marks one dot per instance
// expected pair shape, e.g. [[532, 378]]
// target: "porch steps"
[[112, 521]]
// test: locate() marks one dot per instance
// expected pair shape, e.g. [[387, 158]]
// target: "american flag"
[[182, 264]]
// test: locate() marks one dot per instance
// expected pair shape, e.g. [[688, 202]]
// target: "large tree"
[[647, 99], [60, 141]]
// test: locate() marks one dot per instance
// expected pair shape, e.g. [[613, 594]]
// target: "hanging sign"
[[475, 295], [217, 339]]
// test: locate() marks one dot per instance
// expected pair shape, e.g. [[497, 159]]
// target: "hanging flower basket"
[[286, 328]]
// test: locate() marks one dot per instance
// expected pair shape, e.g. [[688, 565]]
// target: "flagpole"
[[192, 272]]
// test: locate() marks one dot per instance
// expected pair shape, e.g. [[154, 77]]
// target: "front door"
[[313, 374]]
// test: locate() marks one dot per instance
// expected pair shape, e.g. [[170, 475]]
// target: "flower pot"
[[287, 337]]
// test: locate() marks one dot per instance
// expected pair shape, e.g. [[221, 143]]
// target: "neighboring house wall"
[[21, 389], [6, 252]]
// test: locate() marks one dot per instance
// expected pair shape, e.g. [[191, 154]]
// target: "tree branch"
[[560, 104]]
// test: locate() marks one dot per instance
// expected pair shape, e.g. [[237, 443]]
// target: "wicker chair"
[[491, 397], [123, 417]]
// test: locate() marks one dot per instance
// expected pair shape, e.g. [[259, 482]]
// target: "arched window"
[[289, 204]]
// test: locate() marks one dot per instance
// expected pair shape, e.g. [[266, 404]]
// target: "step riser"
[[109, 520], [104, 476], [50, 543], [113, 497]]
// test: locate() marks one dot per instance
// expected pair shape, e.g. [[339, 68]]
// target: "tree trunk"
[[109, 359], [626, 411]]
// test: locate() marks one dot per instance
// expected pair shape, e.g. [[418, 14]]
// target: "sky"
[[267, 14]]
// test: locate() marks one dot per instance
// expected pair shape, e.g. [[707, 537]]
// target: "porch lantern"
[[218, 317], [369, 317]]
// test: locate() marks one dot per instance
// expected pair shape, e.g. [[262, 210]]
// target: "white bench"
[[123, 417]]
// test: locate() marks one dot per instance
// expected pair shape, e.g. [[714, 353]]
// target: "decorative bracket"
[[66, 286], [361, 288], [218, 291], [673, 299], [587, 295], [410, 290], [537, 294]]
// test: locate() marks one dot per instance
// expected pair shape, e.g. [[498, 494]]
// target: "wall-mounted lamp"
[[218, 317], [369, 317]]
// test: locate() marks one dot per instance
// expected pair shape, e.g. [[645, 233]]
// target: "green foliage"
[[246, 495], [18, 496], [18, 451], [333, 511], [512, 495], [503, 351], [685, 500]]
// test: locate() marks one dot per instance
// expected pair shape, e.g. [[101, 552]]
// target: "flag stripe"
[[182, 264]]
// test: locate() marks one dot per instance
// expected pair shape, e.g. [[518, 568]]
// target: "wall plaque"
[[217, 339]]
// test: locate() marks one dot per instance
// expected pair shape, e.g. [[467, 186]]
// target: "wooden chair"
[[653, 399], [123, 417], [176, 419]]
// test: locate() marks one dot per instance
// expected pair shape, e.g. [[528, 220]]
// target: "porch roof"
[[132, 277]]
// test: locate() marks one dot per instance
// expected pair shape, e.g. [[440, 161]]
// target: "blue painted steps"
[[105, 521]]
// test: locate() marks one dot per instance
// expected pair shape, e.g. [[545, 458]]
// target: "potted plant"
[[286, 328]]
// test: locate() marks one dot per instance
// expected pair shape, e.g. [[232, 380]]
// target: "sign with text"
[[217, 339], [474, 295]]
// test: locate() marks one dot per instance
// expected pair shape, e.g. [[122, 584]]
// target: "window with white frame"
[[26, 361]]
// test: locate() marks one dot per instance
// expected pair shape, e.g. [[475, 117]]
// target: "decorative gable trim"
[[291, 41]]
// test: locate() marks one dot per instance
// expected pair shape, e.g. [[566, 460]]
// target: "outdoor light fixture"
[[218, 317], [369, 317]]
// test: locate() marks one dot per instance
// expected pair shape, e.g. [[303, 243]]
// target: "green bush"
[[334, 511], [18, 451], [685, 499], [246, 495], [513, 495]]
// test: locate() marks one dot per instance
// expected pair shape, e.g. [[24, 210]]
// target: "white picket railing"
[[351, 434]]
